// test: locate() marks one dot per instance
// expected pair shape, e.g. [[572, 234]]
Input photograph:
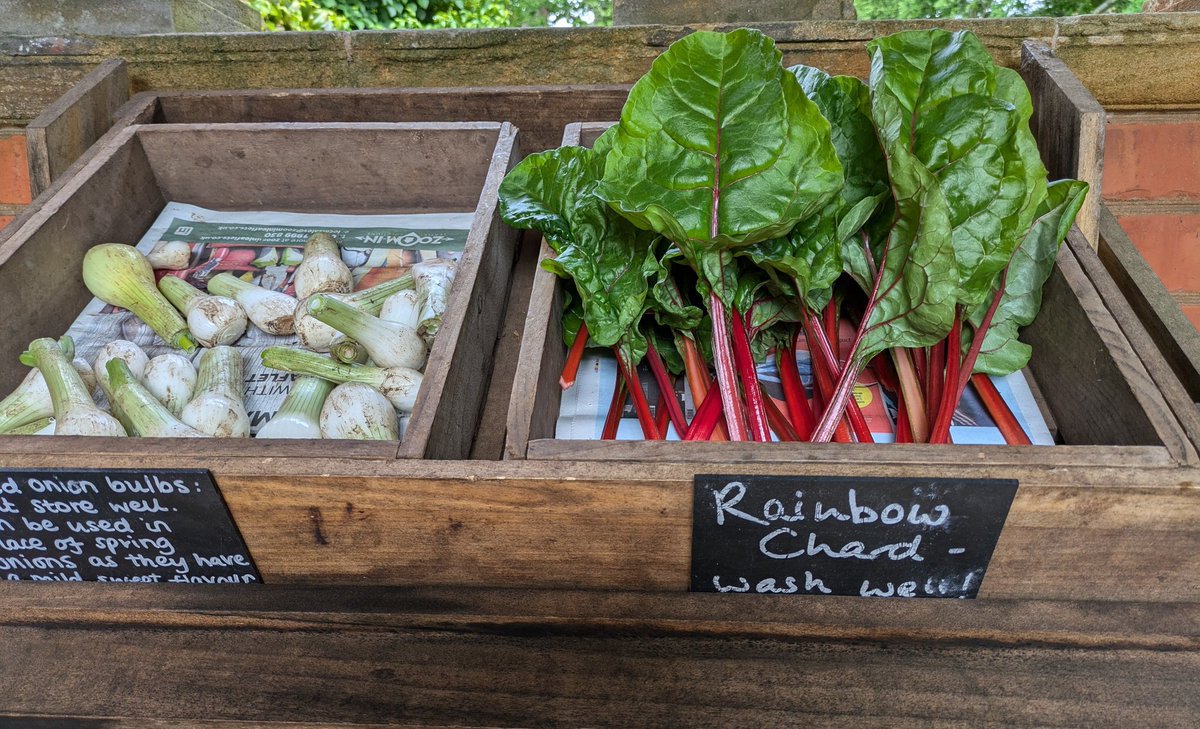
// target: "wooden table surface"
[[148, 656]]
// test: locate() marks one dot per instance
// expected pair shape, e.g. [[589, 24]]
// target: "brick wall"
[[1152, 184], [14, 175]]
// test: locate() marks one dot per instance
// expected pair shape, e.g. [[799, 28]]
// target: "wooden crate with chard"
[[739, 206]]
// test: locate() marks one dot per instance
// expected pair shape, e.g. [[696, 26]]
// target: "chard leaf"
[[762, 302], [572, 316], [976, 142], [550, 192], [718, 147], [915, 300], [912, 74], [664, 342], [609, 259], [1030, 267], [845, 102], [812, 253], [671, 307], [811, 268]]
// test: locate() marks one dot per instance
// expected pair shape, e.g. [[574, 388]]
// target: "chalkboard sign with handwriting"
[[826, 535], [116, 525]]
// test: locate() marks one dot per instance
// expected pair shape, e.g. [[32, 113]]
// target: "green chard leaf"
[[1030, 267], [912, 74], [671, 306], [718, 148], [967, 121], [763, 300], [914, 304], [544, 193], [812, 254], [609, 259]]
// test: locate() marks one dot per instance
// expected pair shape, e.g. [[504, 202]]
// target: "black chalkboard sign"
[[826, 535], [116, 525]]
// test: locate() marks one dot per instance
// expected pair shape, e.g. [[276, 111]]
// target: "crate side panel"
[[306, 168], [448, 407], [112, 200]]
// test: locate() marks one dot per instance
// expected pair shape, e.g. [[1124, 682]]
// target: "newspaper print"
[[265, 248]]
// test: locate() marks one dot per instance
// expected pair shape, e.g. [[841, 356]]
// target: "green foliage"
[[576, 13], [884, 9], [403, 14], [297, 15], [610, 261], [1032, 263]]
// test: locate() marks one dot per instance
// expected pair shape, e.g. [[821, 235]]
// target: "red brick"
[[5, 220], [1193, 313], [14, 171], [1171, 245], [1152, 161]]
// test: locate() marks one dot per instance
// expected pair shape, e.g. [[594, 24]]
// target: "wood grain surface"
[[1174, 336], [1168, 382], [540, 112], [66, 128], [440, 657], [1083, 532], [1069, 126]]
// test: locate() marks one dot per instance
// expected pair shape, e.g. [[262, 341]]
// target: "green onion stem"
[[24, 404], [345, 349], [348, 320], [306, 398], [371, 300], [32, 428], [303, 362], [226, 284], [220, 371], [180, 293], [53, 360]]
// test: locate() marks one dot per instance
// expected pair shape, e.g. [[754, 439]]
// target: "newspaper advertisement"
[[584, 407], [264, 248]]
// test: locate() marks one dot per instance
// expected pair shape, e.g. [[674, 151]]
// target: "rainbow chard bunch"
[[968, 189], [738, 207]]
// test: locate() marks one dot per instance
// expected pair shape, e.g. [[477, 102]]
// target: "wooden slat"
[[1095, 532], [1102, 393], [533, 405], [492, 432], [165, 449], [336, 167], [838, 453], [1173, 390], [1172, 332], [540, 112], [1069, 126], [457, 373], [65, 130], [528, 658]]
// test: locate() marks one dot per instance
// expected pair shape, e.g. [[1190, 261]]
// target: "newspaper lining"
[[266, 245]]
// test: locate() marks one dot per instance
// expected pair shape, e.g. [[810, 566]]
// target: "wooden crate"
[[1109, 399], [1088, 523], [333, 168]]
